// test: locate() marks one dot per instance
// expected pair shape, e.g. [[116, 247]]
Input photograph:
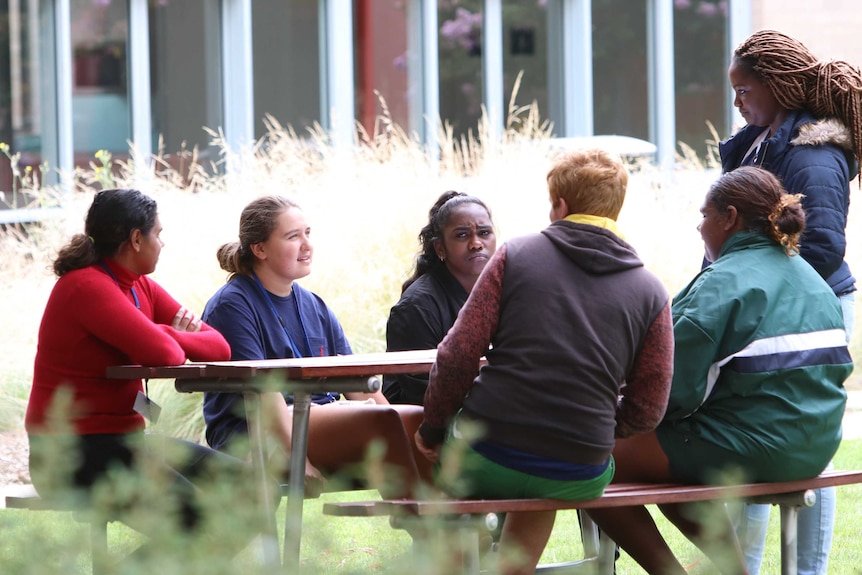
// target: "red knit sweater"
[[89, 324]]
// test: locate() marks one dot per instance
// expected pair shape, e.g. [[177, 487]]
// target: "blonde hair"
[[591, 181]]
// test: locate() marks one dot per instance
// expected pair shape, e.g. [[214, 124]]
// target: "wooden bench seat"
[[788, 495]]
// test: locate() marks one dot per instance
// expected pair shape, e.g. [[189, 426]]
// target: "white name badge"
[[147, 407]]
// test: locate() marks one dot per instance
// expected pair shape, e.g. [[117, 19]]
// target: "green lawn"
[[37, 543]]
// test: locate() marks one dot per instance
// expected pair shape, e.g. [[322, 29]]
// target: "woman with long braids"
[[457, 242], [804, 121]]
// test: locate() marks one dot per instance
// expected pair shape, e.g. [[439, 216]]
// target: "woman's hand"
[[184, 320], [432, 454]]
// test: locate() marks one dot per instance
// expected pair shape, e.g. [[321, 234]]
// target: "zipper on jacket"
[[760, 154]]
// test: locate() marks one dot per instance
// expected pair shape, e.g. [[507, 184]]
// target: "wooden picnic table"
[[301, 377]]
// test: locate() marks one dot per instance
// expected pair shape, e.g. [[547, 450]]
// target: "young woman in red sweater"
[[103, 311]]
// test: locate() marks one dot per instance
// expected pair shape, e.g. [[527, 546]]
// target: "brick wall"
[[829, 28]]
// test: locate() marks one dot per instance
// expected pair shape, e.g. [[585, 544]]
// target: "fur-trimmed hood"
[[813, 157], [825, 131]]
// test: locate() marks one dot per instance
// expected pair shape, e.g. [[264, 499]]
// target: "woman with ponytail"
[[760, 361], [264, 313], [86, 431]]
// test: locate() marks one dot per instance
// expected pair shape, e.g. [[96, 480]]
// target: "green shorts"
[[479, 477]]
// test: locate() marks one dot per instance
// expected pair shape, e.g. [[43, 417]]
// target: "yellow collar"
[[598, 221]]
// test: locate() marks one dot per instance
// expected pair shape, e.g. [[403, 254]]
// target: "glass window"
[[286, 63], [700, 29], [525, 49], [20, 94], [620, 69], [460, 48], [100, 97], [620, 87], [185, 78], [380, 52]]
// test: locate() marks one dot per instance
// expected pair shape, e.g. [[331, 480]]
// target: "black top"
[[420, 320]]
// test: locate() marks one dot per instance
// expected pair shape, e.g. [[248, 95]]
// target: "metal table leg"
[[296, 487], [789, 505], [789, 514]]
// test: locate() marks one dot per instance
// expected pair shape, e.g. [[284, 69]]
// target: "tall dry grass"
[[365, 209]]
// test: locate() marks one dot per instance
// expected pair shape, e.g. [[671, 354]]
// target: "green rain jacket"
[[760, 364]]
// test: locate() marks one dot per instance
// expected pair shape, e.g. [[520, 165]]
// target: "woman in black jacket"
[[457, 242]]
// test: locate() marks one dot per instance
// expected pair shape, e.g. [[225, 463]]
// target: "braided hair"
[[438, 218], [798, 80]]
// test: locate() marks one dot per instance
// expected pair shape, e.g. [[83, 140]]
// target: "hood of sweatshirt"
[[596, 250]]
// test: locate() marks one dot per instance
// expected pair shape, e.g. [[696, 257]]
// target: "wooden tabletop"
[[356, 365]]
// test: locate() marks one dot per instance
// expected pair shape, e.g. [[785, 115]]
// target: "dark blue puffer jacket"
[[815, 158]]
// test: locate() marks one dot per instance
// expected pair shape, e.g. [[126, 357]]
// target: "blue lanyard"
[[293, 347], [326, 397], [116, 281]]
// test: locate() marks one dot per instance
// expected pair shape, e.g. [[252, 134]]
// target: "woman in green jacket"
[[760, 360]]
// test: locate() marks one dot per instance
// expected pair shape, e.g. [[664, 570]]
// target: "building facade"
[[78, 76]]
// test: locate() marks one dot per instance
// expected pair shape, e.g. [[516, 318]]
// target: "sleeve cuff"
[[432, 435]]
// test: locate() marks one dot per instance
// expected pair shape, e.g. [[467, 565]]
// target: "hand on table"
[[184, 320]]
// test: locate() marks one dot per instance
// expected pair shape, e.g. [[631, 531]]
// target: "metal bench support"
[[98, 525]]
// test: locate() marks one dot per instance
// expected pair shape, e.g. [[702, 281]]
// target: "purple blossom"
[[400, 61], [106, 3], [460, 30], [682, 4], [707, 9]]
